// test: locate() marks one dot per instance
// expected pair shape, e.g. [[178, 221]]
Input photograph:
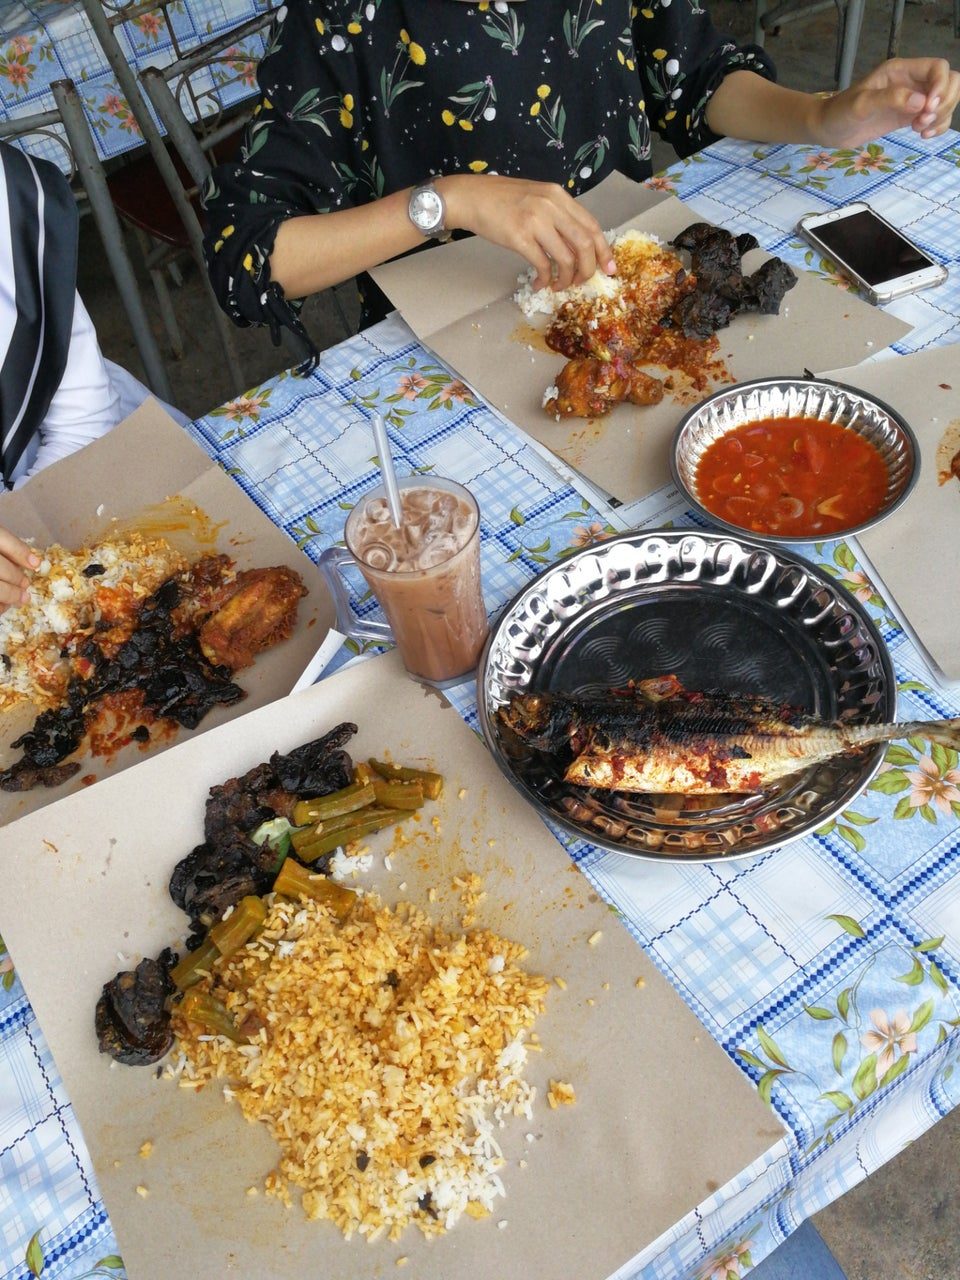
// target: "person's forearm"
[[750, 107], [317, 250]]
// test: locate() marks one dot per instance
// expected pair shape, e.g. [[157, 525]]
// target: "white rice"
[[548, 301]]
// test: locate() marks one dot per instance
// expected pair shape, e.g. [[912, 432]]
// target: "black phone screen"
[[872, 249]]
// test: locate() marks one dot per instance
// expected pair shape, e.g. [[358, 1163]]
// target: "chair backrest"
[[192, 99], [194, 96], [42, 134]]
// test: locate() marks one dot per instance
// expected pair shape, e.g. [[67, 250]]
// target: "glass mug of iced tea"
[[426, 576]]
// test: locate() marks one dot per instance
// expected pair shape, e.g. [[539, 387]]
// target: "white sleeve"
[[86, 405]]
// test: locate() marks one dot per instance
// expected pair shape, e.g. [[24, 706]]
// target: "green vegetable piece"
[[276, 833], [366, 824], [209, 1012], [310, 835], [239, 926], [431, 783], [348, 800], [194, 964], [296, 881], [398, 795]]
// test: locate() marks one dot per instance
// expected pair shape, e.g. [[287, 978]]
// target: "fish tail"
[[945, 732]]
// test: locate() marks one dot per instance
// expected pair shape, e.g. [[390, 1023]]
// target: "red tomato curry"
[[799, 477]]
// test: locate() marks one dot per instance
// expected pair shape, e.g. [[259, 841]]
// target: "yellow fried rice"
[[385, 1053]]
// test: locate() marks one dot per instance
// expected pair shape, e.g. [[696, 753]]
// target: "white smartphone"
[[871, 252]]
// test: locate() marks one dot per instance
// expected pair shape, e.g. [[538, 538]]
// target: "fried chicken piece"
[[607, 333], [588, 388], [955, 465], [260, 612]]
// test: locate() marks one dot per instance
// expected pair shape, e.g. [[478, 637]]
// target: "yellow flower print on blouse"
[[393, 82], [477, 166]]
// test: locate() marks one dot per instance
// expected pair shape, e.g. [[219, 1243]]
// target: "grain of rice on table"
[[385, 1054], [64, 606]]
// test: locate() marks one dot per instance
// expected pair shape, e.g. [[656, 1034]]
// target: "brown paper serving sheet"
[[458, 299], [914, 551], [662, 1117], [147, 473]]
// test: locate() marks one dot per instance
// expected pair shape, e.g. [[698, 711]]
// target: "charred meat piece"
[[55, 733], [763, 290], [229, 864], [214, 877], [317, 767], [269, 789], [691, 743], [258, 613], [721, 289], [160, 659], [23, 776], [589, 388], [131, 1019]]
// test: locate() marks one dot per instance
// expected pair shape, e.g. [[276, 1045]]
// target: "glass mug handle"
[[331, 564]]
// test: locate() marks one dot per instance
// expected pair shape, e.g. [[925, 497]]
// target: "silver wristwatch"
[[427, 211]]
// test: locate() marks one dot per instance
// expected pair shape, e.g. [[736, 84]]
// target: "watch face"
[[426, 210]]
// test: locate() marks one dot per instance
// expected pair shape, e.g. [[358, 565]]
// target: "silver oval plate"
[[718, 612]]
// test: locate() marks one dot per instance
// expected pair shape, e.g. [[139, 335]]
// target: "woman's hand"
[[919, 93], [539, 220], [15, 556]]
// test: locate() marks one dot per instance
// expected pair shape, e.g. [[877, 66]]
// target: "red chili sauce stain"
[[799, 477]]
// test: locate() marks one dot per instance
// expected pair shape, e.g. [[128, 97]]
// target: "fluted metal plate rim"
[[790, 397], [629, 570]]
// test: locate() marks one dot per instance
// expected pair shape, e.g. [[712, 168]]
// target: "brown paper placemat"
[[114, 482], [662, 1117], [458, 299], [914, 551]]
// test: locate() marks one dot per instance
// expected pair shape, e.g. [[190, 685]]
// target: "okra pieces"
[[380, 795]]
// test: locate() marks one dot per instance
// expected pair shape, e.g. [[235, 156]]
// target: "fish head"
[[531, 716]]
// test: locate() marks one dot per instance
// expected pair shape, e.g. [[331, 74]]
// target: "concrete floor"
[[903, 1223]]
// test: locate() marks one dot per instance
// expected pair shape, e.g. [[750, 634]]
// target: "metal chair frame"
[[87, 170], [104, 16], [194, 148], [849, 24]]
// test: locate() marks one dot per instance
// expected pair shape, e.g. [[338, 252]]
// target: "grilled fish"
[[656, 737]]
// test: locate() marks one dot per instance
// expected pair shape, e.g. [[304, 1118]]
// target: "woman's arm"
[[539, 220], [917, 92]]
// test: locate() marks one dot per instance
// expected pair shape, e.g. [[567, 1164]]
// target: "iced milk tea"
[[426, 574]]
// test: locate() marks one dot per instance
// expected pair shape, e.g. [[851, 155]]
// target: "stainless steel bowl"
[[796, 398]]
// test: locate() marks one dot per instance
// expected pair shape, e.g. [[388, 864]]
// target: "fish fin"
[[945, 732]]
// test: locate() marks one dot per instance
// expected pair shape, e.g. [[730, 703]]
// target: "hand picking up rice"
[[381, 1052], [70, 595], [631, 249]]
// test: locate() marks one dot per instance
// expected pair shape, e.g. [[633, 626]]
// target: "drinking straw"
[[388, 469]]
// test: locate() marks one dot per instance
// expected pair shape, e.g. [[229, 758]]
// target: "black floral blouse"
[[361, 98]]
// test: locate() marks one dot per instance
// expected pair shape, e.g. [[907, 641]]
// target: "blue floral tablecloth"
[[46, 40], [829, 970]]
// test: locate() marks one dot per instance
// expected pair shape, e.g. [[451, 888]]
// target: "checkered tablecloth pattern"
[[829, 970], [47, 40]]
